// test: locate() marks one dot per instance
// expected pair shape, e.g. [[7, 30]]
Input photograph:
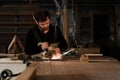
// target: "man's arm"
[[62, 42], [31, 46]]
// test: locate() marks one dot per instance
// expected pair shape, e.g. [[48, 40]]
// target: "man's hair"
[[42, 15]]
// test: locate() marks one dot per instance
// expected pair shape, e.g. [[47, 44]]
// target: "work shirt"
[[36, 36]]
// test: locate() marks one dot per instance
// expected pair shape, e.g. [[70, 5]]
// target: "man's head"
[[43, 20]]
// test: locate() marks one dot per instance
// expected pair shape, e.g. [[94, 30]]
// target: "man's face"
[[44, 25]]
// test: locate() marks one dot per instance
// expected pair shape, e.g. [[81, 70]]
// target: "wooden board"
[[29, 73], [73, 70]]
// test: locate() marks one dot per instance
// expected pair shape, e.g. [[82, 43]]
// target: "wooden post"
[[65, 21]]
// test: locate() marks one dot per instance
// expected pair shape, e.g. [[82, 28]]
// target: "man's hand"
[[57, 54], [44, 45]]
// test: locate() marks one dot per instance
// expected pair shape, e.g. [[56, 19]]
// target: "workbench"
[[72, 70]]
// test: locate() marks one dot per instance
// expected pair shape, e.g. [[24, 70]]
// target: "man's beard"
[[45, 30]]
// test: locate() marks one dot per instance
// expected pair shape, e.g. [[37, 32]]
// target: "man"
[[44, 36]]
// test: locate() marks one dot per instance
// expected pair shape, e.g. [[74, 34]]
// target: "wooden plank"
[[29, 73], [16, 13], [17, 23], [94, 54], [70, 70], [7, 55], [78, 71], [88, 50]]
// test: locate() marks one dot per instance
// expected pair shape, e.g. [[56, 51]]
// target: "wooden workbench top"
[[71, 70]]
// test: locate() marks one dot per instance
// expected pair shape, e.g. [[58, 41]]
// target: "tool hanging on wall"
[[13, 46]]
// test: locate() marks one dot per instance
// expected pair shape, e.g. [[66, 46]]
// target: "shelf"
[[17, 23], [33, 5], [16, 13], [13, 32]]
